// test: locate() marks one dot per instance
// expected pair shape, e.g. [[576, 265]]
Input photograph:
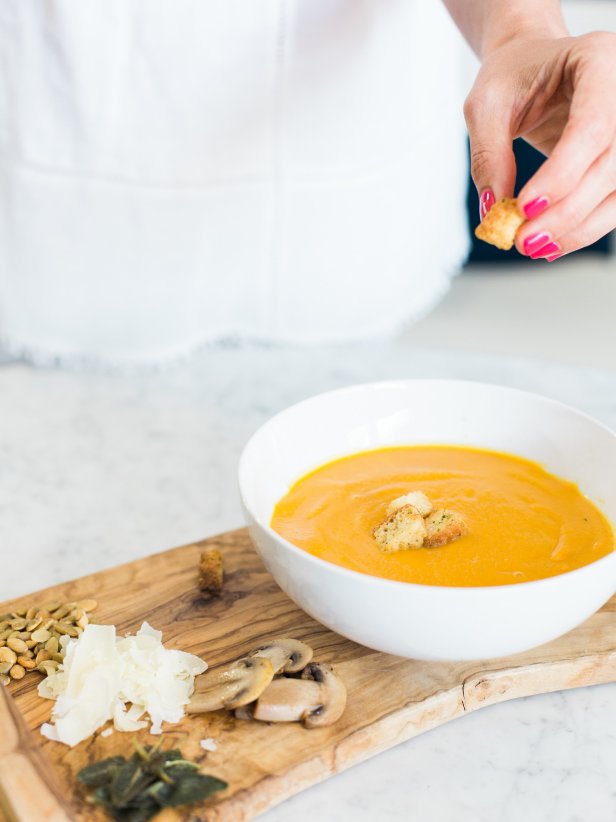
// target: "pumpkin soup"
[[523, 523]]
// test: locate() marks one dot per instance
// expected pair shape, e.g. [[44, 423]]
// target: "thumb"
[[492, 159]]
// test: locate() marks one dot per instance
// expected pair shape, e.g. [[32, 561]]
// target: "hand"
[[559, 94]]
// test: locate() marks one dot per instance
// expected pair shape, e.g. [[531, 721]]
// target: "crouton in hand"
[[211, 571], [501, 223], [415, 498], [444, 526], [403, 529]]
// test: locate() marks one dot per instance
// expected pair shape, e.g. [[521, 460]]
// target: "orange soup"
[[524, 523]]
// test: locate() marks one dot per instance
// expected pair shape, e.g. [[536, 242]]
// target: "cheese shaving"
[[102, 675], [209, 744]]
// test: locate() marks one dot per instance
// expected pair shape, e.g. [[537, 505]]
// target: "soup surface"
[[524, 523]]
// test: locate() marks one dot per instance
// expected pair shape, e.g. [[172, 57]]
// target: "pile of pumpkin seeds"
[[31, 638]]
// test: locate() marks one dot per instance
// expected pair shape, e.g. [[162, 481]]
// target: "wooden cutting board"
[[390, 699]]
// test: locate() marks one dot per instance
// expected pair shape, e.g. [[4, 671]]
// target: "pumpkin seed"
[[52, 645], [36, 637], [8, 655], [19, 624], [16, 644], [66, 628], [51, 605], [17, 672], [34, 623], [47, 667]]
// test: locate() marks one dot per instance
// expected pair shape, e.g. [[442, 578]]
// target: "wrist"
[[516, 24]]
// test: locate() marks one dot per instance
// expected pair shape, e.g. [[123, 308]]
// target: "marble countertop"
[[100, 469]]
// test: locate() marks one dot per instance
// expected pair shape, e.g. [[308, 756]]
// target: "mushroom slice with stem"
[[232, 685], [333, 695], [288, 700], [286, 655], [317, 699]]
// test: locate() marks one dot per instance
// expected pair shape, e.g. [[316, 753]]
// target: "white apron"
[[174, 172]]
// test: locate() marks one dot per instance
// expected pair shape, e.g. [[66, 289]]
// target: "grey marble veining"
[[100, 469]]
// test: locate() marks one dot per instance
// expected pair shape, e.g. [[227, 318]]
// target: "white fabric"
[[178, 172]]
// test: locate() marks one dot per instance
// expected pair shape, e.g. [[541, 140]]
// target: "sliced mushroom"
[[286, 655], [333, 695], [288, 700], [232, 685], [317, 699], [245, 711]]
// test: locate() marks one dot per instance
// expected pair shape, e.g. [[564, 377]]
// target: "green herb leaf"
[[129, 780], [180, 767], [134, 790], [160, 791], [194, 788], [141, 814], [100, 773], [102, 797]]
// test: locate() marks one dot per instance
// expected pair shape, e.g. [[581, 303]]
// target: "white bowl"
[[425, 621]]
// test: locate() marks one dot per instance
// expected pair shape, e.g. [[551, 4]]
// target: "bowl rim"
[[349, 573]]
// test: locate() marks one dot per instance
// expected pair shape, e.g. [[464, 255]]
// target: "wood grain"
[[390, 699], [29, 788]]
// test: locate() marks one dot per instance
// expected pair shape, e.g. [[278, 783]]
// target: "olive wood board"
[[390, 699]]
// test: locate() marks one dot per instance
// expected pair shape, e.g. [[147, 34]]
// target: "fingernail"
[[547, 251], [553, 257], [535, 241], [486, 201], [535, 207]]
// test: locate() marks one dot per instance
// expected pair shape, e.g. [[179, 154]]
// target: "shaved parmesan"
[[209, 744], [125, 679]]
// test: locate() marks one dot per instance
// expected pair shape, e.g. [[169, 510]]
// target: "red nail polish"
[[486, 201], [536, 241], [553, 257], [547, 251], [536, 207]]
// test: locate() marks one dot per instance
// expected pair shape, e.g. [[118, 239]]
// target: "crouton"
[[500, 224], [415, 498], [444, 526], [211, 572], [403, 529]]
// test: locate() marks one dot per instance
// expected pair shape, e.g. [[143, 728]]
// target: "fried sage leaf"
[[135, 789], [193, 787], [100, 773], [130, 779]]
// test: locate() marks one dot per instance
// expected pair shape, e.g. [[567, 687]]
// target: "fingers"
[[492, 159], [599, 223], [563, 218], [590, 130]]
